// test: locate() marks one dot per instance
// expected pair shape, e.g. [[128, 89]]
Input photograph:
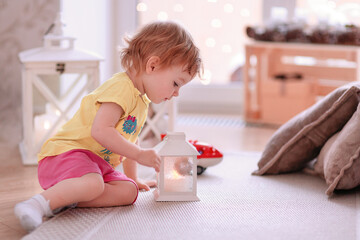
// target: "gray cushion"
[[339, 160], [300, 139]]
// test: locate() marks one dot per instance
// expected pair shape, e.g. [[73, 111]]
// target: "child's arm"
[[104, 132]]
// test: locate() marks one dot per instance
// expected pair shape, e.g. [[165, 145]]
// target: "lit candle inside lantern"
[[42, 125], [44, 121], [178, 175]]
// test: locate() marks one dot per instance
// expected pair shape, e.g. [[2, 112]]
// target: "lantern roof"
[[175, 144], [55, 55], [57, 48]]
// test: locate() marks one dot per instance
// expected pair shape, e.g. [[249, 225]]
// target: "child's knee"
[[135, 193], [131, 193]]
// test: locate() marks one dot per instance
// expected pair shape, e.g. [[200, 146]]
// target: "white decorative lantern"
[[178, 171], [55, 77]]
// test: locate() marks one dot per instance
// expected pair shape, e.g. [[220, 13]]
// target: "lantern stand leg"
[[26, 146], [151, 123]]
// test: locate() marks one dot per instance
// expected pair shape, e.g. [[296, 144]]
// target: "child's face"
[[164, 83]]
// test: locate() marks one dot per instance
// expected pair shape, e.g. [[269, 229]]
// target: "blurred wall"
[[22, 26]]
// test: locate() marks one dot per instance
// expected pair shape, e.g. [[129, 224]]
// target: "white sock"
[[32, 211]]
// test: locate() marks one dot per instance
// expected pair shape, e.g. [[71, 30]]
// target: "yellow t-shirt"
[[76, 133]]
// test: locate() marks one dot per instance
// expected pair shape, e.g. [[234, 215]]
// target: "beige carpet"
[[234, 205]]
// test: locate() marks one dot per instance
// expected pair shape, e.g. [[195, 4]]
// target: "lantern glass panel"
[[67, 89], [52, 83], [71, 85], [178, 174]]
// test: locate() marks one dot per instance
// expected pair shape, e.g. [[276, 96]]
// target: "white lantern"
[[55, 77], [178, 171]]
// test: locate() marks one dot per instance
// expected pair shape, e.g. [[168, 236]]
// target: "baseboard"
[[211, 99]]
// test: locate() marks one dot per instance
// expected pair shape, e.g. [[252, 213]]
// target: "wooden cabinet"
[[322, 67]]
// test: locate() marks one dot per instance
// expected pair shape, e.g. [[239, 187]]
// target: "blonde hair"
[[166, 40]]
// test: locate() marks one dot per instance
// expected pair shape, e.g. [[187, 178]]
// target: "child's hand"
[[145, 185], [149, 158]]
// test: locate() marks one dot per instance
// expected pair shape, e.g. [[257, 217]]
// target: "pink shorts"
[[73, 164]]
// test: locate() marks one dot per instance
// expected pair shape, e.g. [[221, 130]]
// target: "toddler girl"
[[77, 165]]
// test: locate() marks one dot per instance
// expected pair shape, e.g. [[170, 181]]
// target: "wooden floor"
[[20, 182], [17, 184]]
